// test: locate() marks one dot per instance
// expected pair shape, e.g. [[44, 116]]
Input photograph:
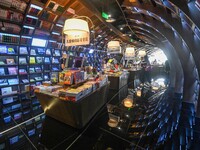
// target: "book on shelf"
[[55, 69], [25, 81], [48, 52], [30, 21], [46, 77], [23, 50], [7, 100], [10, 50], [32, 80], [38, 78], [22, 71], [55, 61], [56, 53], [2, 71], [31, 70], [47, 60], [13, 81], [12, 70], [38, 69], [32, 60], [6, 91], [3, 82], [3, 49], [33, 52], [41, 51], [33, 11], [2, 63], [22, 60], [39, 60], [10, 61]]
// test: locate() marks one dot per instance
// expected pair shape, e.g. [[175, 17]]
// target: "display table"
[[76, 114]]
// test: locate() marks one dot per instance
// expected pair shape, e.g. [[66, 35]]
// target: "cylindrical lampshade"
[[130, 52], [138, 93], [112, 122], [75, 26], [128, 102], [113, 44], [142, 53]]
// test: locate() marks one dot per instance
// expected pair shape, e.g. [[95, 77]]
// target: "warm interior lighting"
[[132, 1], [138, 93], [112, 122], [114, 47], [75, 27], [142, 53], [130, 52], [128, 102], [113, 44]]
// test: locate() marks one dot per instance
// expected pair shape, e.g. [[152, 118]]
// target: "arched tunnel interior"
[[170, 25]]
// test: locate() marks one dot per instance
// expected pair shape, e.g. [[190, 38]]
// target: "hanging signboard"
[[79, 39]]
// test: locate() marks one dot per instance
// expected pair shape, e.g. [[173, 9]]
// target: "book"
[[32, 80], [38, 69], [55, 61], [25, 81], [22, 60], [6, 90], [41, 51], [46, 60], [2, 71], [13, 81], [10, 61], [32, 60], [55, 69], [46, 77], [10, 50], [2, 63], [39, 60], [12, 70], [48, 52], [3, 82], [56, 53], [3, 50], [23, 50], [38, 78], [22, 71], [32, 52], [7, 100], [31, 70]]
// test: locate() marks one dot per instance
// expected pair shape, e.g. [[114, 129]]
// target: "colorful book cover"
[[32, 52], [39, 60], [56, 53], [11, 50], [55, 61], [6, 90], [2, 71], [41, 51], [13, 81], [22, 60], [25, 81], [22, 71], [3, 82], [3, 50], [47, 60], [32, 60], [38, 69], [23, 50], [12, 70], [31, 70], [10, 61], [48, 52]]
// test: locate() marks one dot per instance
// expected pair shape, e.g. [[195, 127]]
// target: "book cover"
[[3, 50], [32, 80], [3, 82], [39, 60], [46, 77], [22, 60], [23, 50], [32, 60], [7, 100], [56, 53], [13, 81], [25, 81], [2, 71], [38, 78], [6, 90], [38, 69], [11, 50], [47, 60], [2, 63], [55, 61], [33, 52], [22, 71], [31, 70], [10, 61], [41, 51], [55, 69], [48, 52], [12, 70]]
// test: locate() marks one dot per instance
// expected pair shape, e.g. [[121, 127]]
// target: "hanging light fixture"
[[77, 31], [114, 47], [128, 102], [142, 53], [139, 93], [130, 52]]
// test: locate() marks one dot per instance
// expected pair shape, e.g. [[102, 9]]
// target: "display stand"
[[118, 84], [76, 114]]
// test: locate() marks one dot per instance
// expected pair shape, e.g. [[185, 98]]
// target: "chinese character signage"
[[78, 39]]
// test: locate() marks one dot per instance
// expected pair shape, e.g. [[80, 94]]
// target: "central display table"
[[76, 114]]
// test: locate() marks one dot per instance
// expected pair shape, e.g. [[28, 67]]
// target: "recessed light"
[[110, 20]]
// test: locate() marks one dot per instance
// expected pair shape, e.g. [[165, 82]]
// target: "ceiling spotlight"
[[129, 34], [121, 28], [110, 20]]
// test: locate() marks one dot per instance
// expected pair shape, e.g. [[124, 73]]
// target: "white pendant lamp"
[[128, 102], [142, 53], [114, 47], [130, 52], [75, 26]]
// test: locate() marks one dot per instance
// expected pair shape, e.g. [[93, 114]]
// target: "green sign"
[[104, 15], [131, 40]]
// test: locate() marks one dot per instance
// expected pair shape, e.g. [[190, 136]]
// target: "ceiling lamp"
[[139, 93], [114, 47], [77, 31], [130, 52], [128, 102], [142, 53]]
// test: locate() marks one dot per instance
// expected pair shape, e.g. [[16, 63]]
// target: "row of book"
[[9, 39], [17, 4], [13, 81], [11, 15]]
